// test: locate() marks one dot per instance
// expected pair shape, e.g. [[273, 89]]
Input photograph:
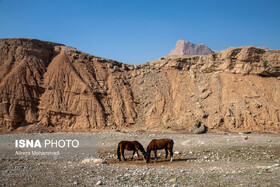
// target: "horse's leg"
[[133, 154], [119, 152], [166, 154], [137, 153], [155, 151], [123, 155]]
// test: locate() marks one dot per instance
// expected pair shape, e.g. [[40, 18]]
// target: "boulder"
[[198, 128]]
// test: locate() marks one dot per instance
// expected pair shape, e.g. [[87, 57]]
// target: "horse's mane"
[[141, 148]]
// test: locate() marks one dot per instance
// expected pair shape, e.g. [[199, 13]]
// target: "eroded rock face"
[[187, 48], [61, 88], [50, 87], [233, 90]]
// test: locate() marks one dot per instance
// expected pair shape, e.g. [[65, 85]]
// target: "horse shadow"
[[184, 159], [175, 159]]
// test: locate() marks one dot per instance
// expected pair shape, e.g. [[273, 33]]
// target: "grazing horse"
[[130, 146], [158, 144]]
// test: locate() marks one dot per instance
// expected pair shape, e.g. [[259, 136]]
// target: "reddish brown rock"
[[49, 87]]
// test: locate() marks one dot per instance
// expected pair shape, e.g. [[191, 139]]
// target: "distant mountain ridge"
[[188, 48]]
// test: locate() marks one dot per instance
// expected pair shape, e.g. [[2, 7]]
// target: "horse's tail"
[[171, 150], [118, 152], [172, 143]]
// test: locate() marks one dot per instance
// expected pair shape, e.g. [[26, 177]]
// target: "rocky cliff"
[[47, 87], [187, 48]]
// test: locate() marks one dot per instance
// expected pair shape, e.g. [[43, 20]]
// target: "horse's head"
[[147, 157], [141, 148]]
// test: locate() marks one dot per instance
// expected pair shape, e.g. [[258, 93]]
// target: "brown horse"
[[130, 146], [158, 144]]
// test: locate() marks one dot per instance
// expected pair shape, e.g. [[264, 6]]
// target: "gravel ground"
[[199, 160]]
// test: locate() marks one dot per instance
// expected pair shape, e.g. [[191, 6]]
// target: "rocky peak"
[[187, 48]]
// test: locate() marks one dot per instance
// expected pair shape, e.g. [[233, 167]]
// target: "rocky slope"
[[187, 48], [46, 86]]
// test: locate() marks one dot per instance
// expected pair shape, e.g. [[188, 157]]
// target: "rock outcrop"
[[49, 87], [187, 48], [61, 88]]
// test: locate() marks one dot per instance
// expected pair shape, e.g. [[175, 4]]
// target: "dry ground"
[[200, 160]]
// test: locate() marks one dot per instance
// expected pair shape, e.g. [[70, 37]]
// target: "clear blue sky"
[[137, 31]]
